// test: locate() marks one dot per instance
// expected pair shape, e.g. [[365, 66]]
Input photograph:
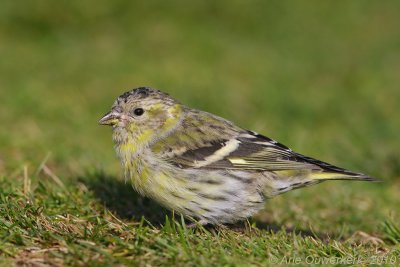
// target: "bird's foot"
[[198, 223]]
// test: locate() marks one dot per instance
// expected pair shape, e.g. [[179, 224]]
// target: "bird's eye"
[[138, 111]]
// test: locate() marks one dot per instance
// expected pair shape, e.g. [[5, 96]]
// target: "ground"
[[321, 78]]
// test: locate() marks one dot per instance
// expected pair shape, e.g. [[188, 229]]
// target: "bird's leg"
[[201, 222]]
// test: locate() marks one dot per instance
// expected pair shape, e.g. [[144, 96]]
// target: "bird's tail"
[[287, 180], [346, 175]]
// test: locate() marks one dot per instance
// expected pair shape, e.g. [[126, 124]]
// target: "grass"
[[44, 223], [319, 77]]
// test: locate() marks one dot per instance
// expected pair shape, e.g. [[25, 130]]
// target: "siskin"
[[202, 165]]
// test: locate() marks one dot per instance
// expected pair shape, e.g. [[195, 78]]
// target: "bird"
[[203, 166]]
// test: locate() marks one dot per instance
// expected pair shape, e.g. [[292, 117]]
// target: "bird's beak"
[[111, 118]]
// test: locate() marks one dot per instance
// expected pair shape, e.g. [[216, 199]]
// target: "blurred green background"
[[320, 76]]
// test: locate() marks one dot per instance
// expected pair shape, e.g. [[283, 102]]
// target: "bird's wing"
[[205, 141], [250, 151], [246, 151]]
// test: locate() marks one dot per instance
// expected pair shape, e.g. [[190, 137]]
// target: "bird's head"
[[144, 114]]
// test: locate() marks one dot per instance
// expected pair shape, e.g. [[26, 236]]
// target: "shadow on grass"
[[121, 199], [302, 232]]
